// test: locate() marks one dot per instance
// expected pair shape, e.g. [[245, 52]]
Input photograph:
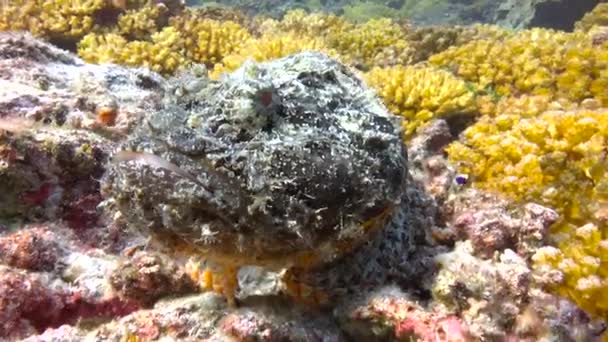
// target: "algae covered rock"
[[287, 163], [557, 14]]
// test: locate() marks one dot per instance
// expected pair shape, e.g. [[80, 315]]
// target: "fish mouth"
[[217, 221], [256, 252]]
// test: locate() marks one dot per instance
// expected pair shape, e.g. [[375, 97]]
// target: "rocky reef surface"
[[448, 263], [556, 14]]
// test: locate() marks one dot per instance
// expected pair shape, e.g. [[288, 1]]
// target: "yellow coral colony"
[[140, 23], [188, 39], [544, 140], [206, 40], [296, 32], [420, 94], [557, 158], [54, 19], [360, 45], [597, 17], [537, 62], [269, 47]]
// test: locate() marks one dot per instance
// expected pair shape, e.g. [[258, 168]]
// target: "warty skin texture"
[[293, 162]]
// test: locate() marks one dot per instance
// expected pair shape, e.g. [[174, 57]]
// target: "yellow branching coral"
[[309, 25], [557, 158], [578, 267], [140, 23], [427, 41], [597, 17], [421, 94], [65, 19], [545, 158], [208, 41], [161, 54], [361, 44], [525, 106], [96, 48], [538, 62], [270, 47], [19, 15], [468, 34]]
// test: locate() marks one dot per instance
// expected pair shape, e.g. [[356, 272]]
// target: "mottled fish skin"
[[296, 162]]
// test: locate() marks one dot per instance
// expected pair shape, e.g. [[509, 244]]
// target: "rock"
[[388, 314], [493, 224], [146, 277], [52, 148], [555, 14]]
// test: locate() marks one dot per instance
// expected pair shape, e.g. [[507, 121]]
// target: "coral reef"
[[309, 25], [538, 62], [66, 22], [515, 310], [388, 314], [574, 270], [555, 158], [267, 48], [31, 249], [161, 54], [421, 94], [141, 23], [597, 17], [491, 226], [190, 38], [206, 40], [360, 45], [285, 184], [145, 278], [49, 175], [61, 19]]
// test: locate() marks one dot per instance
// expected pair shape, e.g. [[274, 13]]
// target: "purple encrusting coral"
[[69, 272]]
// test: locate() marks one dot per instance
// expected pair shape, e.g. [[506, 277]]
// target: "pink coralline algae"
[[146, 277], [31, 303], [27, 305], [398, 318], [492, 224], [34, 248]]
